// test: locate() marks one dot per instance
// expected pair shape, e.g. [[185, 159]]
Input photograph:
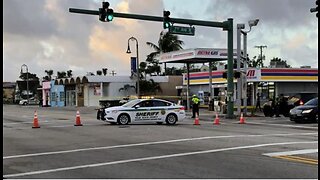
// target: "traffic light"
[[105, 14], [109, 15], [166, 19], [102, 14]]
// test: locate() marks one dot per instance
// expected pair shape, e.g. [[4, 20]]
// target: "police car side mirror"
[[137, 106]]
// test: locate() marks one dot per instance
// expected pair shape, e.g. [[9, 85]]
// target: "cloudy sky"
[[44, 35]]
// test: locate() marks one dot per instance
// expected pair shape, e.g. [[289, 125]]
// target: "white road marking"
[[284, 125], [150, 143], [153, 158], [285, 153]]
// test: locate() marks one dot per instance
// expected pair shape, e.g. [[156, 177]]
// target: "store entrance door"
[[71, 98]]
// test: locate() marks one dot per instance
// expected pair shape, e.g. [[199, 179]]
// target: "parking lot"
[[260, 148]]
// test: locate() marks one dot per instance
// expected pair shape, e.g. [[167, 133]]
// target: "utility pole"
[[261, 47]]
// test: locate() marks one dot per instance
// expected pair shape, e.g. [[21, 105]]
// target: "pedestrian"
[[258, 102], [195, 105], [277, 107]]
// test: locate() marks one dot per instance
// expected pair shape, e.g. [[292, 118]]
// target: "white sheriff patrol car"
[[144, 110]]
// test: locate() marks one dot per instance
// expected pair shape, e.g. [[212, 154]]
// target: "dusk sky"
[[44, 35]]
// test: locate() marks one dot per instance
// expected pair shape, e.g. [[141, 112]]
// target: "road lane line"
[[151, 158], [151, 143], [303, 158], [308, 161], [285, 153]]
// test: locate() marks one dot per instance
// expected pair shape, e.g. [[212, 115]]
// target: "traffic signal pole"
[[225, 25]]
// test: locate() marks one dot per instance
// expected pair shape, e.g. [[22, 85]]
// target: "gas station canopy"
[[197, 55]]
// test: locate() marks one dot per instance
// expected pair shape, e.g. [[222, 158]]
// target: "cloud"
[[53, 38], [44, 35]]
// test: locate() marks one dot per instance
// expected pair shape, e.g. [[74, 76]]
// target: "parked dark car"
[[305, 113], [300, 98], [290, 101]]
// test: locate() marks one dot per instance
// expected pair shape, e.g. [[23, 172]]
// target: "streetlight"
[[128, 51], [24, 65], [240, 84]]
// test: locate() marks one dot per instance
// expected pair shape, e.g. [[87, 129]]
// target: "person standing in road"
[[195, 105]]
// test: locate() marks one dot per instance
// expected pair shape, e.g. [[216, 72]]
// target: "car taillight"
[[301, 102], [182, 108]]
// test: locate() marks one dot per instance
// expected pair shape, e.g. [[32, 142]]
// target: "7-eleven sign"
[[253, 74]]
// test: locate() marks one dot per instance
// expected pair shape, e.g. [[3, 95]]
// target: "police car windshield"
[[131, 103]]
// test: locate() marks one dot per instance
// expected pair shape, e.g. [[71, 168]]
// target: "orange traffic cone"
[[35, 120], [217, 120], [241, 119], [78, 122], [196, 120]]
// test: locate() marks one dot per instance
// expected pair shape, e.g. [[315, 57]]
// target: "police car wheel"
[[171, 119], [123, 119]]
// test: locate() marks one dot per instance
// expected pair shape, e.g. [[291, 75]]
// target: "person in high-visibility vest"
[[195, 105]]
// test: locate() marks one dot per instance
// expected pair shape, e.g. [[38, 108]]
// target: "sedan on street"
[[306, 112], [144, 110]]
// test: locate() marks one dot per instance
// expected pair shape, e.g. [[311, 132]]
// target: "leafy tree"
[[105, 71], [143, 68], [149, 87], [99, 72], [23, 76], [49, 73], [69, 73], [253, 62], [279, 61], [61, 74], [127, 88]]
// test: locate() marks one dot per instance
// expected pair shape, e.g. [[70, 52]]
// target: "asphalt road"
[[262, 148]]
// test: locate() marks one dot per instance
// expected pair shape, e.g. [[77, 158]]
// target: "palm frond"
[[155, 47]]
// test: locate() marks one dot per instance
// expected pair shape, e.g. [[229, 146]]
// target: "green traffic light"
[[167, 25], [110, 17]]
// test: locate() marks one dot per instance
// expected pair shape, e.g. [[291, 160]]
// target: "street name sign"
[[182, 30]]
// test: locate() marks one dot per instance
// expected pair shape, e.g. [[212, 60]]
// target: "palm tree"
[[61, 74], [166, 43], [69, 73], [49, 73]]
